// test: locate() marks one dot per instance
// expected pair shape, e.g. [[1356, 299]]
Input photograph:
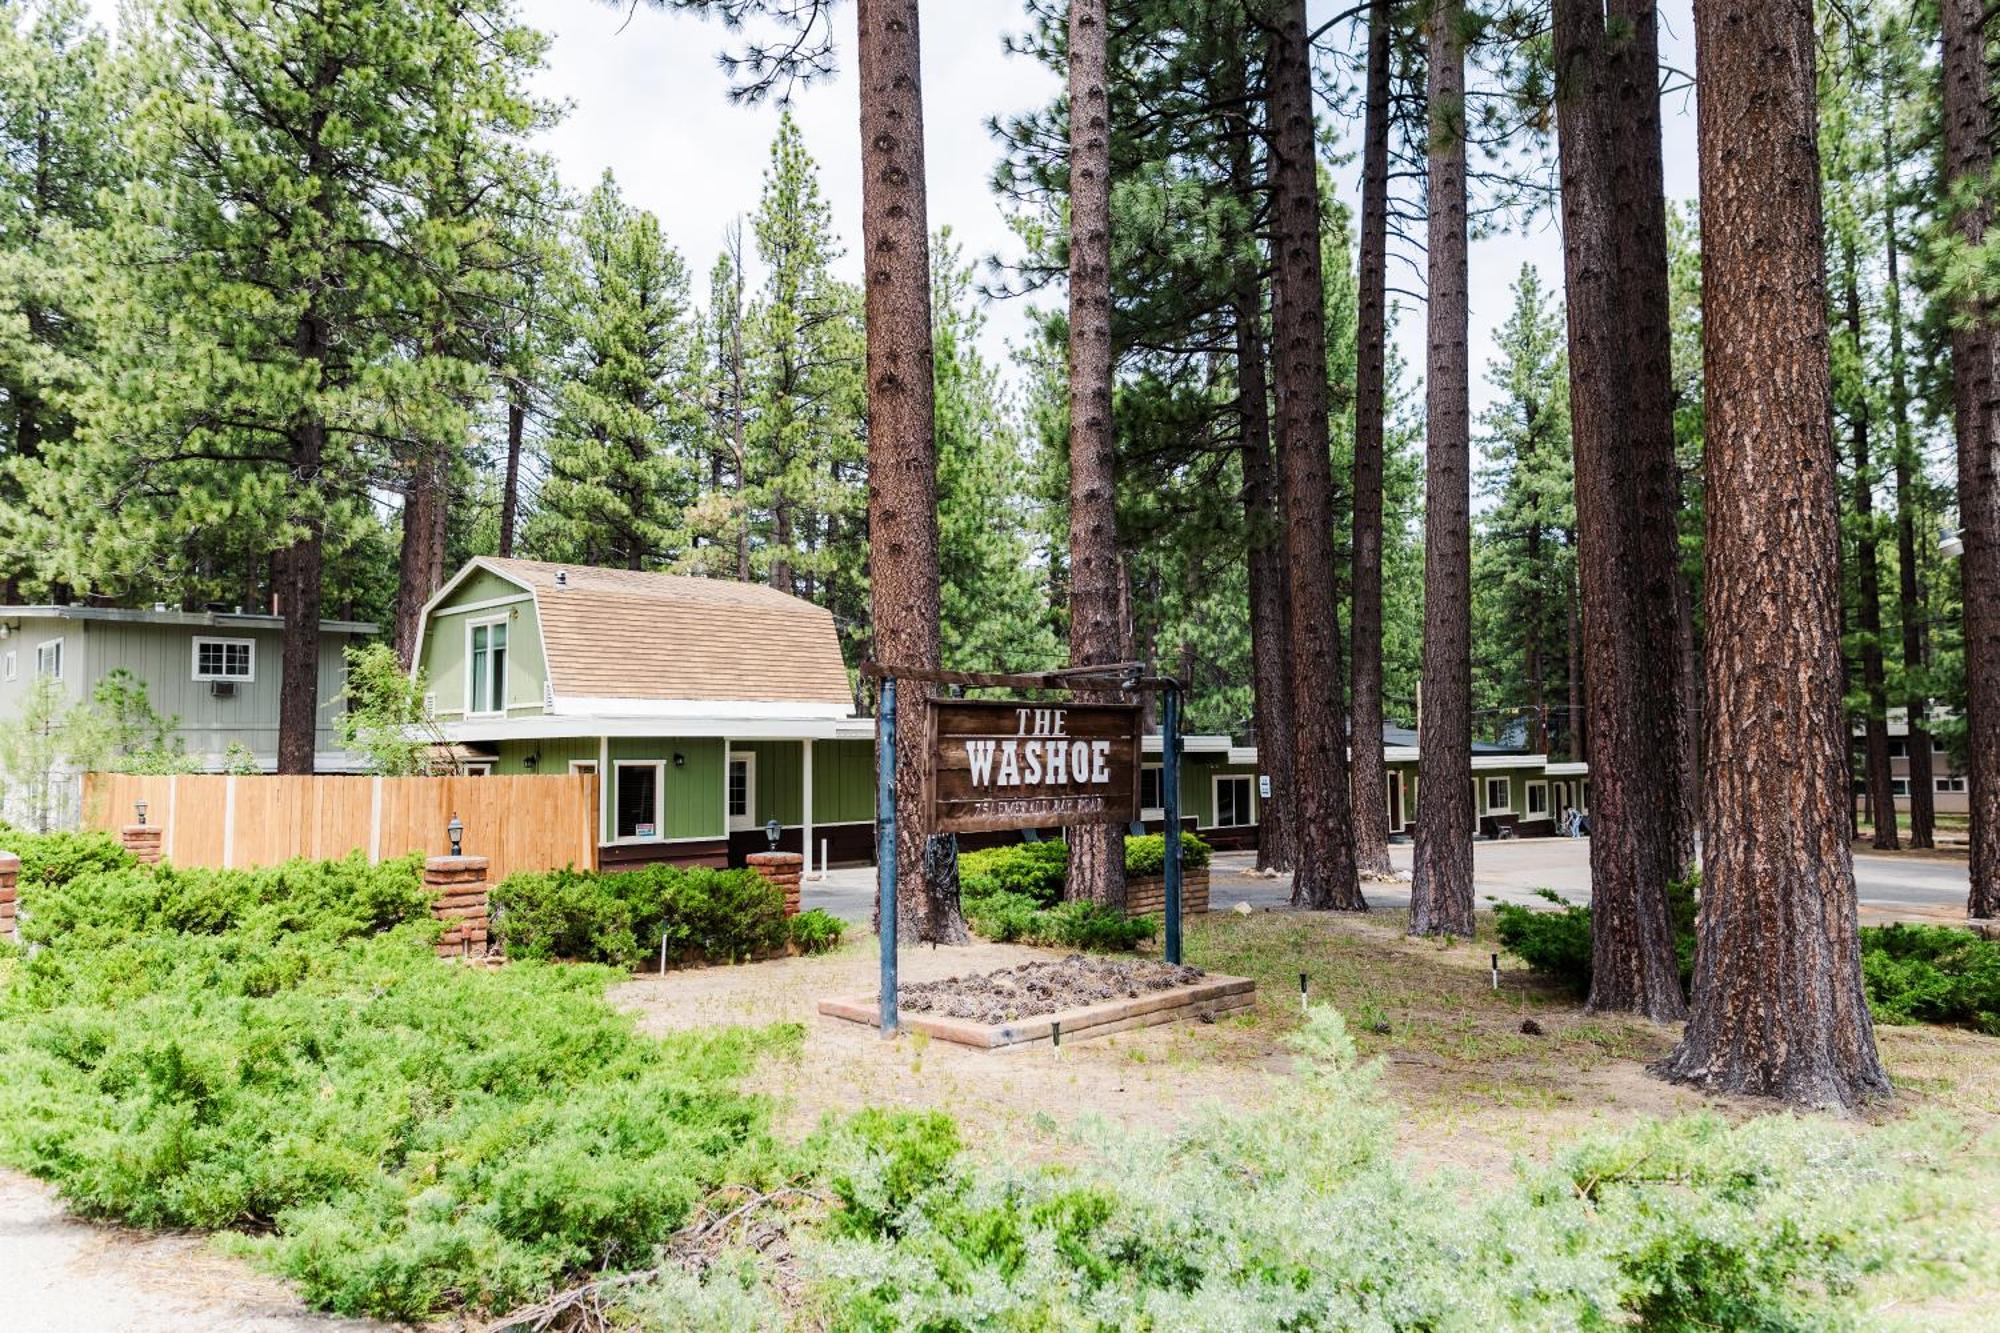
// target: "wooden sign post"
[[997, 764]]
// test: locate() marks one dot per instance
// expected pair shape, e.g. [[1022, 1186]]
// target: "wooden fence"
[[519, 823]]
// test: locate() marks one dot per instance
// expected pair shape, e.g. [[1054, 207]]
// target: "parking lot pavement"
[[1510, 871]]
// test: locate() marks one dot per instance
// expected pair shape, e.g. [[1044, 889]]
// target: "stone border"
[[1213, 995]]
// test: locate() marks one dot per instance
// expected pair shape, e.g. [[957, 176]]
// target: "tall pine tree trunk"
[[902, 449], [510, 493], [1778, 1005], [1975, 361], [1371, 814], [420, 560], [1868, 577], [1622, 435], [1324, 872], [1441, 889], [1270, 625], [1910, 608], [1096, 620]]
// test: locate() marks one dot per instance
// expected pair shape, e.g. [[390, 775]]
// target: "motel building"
[[708, 708]]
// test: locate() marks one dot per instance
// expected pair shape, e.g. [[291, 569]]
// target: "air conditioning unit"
[[222, 689]]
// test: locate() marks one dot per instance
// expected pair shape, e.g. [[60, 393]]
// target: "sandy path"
[[61, 1275]]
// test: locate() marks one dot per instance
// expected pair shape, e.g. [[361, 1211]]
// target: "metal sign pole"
[[885, 845], [1170, 778]]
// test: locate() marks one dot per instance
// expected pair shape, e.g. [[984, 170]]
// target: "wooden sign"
[[997, 764]]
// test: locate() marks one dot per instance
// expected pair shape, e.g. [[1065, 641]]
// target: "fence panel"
[[538, 822]]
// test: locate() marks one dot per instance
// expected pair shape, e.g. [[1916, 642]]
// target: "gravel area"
[[1042, 987]]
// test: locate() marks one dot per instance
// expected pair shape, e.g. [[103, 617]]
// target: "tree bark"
[[510, 494], [1868, 577], [1627, 548], [1778, 1004], [1270, 626], [1441, 889], [902, 449], [420, 560], [1324, 872], [1371, 813], [1910, 608], [1096, 623], [1975, 360]]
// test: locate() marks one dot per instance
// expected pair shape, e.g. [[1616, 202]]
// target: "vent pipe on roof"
[[562, 578]]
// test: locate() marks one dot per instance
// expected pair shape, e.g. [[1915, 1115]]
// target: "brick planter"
[[458, 898], [143, 841], [10, 877], [782, 869], [1146, 895]]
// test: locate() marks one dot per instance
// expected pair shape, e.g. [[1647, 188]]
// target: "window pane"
[[638, 789], [1149, 789], [739, 788], [479, 679], [497, 671]]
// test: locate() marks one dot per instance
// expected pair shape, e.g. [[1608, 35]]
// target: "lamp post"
[[772, 828], [139, 808], [456, 832]]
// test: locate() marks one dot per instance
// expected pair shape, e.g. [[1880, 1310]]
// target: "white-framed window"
[[638, 801], [1152, 789], [1392, 785], [49, 659], [742, 789], [1953, 783], [1538, 800], [225, 659], [478, 768], [10, 664], [578, 766], [486, 666], [1499, 796], [1899, 749], [1235, 798]]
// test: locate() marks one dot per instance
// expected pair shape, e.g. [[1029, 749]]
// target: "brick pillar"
[[458, 888], [143, 841], [10, 875], [782, 869]]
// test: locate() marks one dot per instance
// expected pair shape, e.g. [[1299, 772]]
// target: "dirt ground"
[[1451, 1045]]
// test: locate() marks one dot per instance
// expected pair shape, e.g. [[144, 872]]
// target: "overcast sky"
[[649, 103]]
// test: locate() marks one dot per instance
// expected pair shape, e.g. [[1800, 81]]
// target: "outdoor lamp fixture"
[[771, 830], [1950, 544], [531, 762], [139, 808], [456, 832]]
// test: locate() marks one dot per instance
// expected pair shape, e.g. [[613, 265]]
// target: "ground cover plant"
[[1301, 1216], [278, 1054], [1913, 973], [1013, 894], [57, 858], [621, 917]]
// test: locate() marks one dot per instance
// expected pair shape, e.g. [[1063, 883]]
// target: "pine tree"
[[622, 445]]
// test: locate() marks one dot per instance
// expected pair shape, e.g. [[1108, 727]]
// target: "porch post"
[[806, 832], [603, 796]]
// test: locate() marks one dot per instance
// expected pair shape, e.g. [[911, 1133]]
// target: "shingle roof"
[[628, 634]]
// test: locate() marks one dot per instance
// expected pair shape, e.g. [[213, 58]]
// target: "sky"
[[648, 102]]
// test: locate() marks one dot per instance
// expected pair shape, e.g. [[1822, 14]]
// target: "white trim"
[[542, 727], [659, 767], [578, 767], [1528, 790], [748, 819], [1401, 814], [1568, 770], [229, 822], [173, 822], [1152, 811], [806, 809], [489, 604], [673, 708], [486, 622], [1486, 796], [194, 659], [10, 664], [61, 653], [464, 573], [1154, 743], [1215, 798], [477, 768], [375, 820], [604, 776]]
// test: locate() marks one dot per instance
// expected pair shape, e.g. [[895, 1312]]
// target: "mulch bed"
[[1037, 988]]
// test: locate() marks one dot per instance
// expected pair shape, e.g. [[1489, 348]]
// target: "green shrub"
[[620, 917], [1014, 894], [49, 859], [279, 1053], [1914, 973], [1304, 1216], [817, 931], [1932, 974]]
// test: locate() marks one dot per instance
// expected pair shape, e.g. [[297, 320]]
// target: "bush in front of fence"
[[620, 917], [57, 858]]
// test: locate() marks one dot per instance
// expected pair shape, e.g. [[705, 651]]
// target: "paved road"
[[1890, 886]]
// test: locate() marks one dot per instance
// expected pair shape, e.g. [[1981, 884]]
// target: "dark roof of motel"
[[631, 634]]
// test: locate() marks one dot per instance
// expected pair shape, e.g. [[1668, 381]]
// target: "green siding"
[[843, 782], [694, 790], [780, 779], [444, 648], [551, 756]]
